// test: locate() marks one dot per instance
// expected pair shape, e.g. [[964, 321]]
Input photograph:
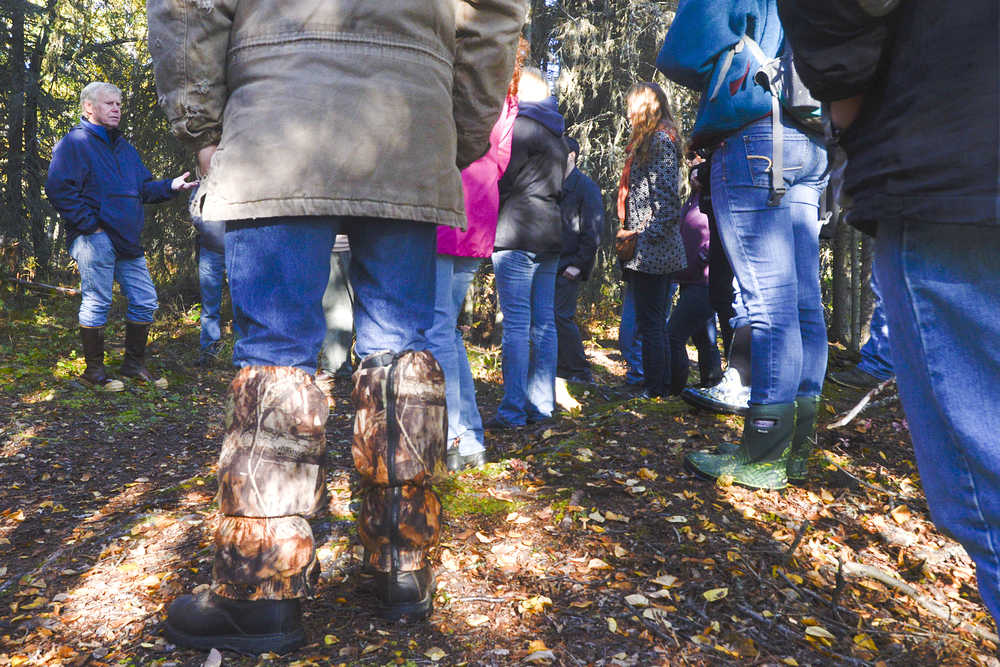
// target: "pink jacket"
[[482, 195]]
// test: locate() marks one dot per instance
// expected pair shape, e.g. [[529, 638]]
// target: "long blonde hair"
[[652, 112]]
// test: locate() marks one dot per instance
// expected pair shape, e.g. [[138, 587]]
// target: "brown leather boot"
[[93, 352]]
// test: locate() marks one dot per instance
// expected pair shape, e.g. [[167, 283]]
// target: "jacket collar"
[[109, 136]]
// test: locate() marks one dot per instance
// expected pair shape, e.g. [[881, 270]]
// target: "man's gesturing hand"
[[181, 182]]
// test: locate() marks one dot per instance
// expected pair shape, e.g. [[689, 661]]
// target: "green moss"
[[460, 498]]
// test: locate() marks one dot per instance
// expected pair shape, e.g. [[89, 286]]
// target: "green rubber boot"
[[761, 460], [806, 410]]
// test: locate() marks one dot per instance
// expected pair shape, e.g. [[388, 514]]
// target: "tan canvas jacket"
[[354, 107]]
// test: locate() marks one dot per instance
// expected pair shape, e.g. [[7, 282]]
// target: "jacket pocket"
[[120, 207]]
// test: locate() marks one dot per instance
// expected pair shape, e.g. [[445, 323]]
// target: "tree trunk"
[[841, 320], [15, 124]]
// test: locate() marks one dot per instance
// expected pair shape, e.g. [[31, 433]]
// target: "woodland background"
[[592, 49]]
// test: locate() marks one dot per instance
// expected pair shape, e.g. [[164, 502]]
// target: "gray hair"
[[91, 90]]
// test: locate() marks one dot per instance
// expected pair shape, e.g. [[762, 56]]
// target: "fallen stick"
[[862, 404], [942, 612], [68, 291]]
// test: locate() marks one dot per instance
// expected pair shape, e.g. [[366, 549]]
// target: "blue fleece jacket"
[[695, 51], [97, 180]]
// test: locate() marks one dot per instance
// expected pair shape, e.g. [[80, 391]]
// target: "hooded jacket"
[[97, 181], [481, 190], [363, 108], [530, 190], [924, 146], [696, 54]]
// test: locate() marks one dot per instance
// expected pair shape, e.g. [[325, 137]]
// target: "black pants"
[[572, 361]]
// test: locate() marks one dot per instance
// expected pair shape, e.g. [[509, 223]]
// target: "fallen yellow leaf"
[[597, 564], [715, 594], [666, 580], [901, 514], [535, 604], [612, 624], [819, 631], [435, 653], [330, 640], [864, 641]]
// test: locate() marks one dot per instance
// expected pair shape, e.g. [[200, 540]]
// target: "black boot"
[[93, 353], [399, 450], [134, 364], [207, 621]]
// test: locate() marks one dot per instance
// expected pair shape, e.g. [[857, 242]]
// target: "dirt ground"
[[583, 542]]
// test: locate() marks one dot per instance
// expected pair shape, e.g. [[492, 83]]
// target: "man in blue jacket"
[[582, 220], [98, 184]]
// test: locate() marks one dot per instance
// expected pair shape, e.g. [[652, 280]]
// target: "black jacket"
[[925, 144], [531, 187], [582, 221]]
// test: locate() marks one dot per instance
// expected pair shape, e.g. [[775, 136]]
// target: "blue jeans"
[[572, 357], [338, 312], [629, 338], [278, 270], [526, 284], [211, 278], [465, 426], [99, 269], [693, 317], [774, 252], [875, 354], [941, 289]]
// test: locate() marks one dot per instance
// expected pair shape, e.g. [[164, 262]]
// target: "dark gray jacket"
[[532, 185], [925, 144], [582, 221]]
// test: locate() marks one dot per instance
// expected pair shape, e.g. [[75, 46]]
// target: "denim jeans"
[[774, 252], [526, 284], [278, 271], [572, 361], [692, 317], [211, 278], [99, 269], [465, 425], [941, 288], [338, 312], [875, 354], [651, 318], [629, 338]]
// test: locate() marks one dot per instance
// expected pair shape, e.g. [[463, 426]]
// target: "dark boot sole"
[[719, 407], [414, 611], [247, 644], [689, 467]]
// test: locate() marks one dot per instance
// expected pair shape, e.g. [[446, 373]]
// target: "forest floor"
[[582, 543]]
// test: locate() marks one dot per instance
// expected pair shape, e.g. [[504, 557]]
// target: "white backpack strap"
[[727, 62]]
